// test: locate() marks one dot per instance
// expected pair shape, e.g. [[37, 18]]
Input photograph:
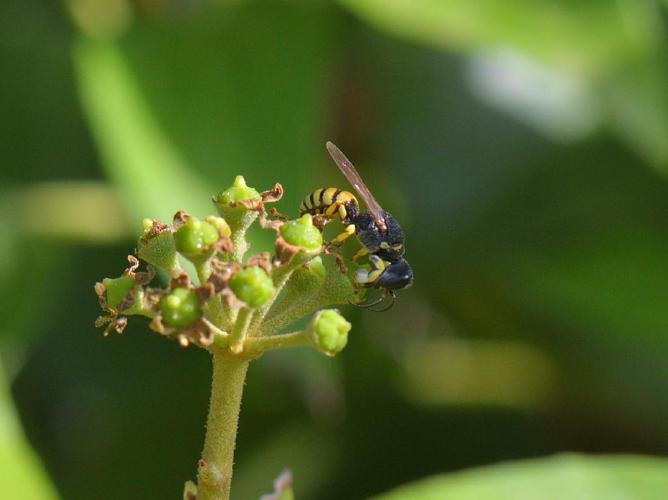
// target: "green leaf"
[[614, 51], [584, 37], [67, 210], [22, 474], [153, 178], [310, 454], [240, 90], [557, 478], [174, 126], [638, 102]]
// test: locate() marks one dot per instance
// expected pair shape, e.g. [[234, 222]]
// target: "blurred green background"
[[524, 146]]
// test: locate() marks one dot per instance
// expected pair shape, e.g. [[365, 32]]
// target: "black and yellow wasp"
[[379, 233]]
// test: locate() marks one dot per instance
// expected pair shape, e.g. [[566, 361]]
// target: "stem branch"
[[257, 345], [280, 278], [240, 330], [239, 228]]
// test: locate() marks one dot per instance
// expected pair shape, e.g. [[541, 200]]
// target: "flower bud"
[[220, 224], [196, 238], [181, 308], [189, 491], [156, 245], [330, 331], [316, 269], [252, 286], [302, 233], [116, 289], [236, 202], [238, 191], [298, 241]]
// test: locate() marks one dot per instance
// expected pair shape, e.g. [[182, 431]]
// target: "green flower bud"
[[156, 245], [195, 238], [116, 289], [253, 286], [221, 224], [238, 216], [189, 491], [330, 331], [316, 269], [302, 233], [238, 191], [181, 308], [137, 306]]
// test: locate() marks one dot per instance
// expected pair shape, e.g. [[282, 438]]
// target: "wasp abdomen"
[[330, 202]]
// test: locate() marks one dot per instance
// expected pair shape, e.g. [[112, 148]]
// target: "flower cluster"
[[231, 302]]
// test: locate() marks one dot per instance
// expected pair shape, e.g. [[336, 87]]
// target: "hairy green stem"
[[280, 277], [289, 315], [203, 269], [240, 247], [215, 468], [258, 345], [240, 330], [213, 309], [238, 237], [221, 337], [335, 289], [148, 313]]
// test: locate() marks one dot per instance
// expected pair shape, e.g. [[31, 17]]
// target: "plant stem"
[[240, 330], [215, 468], [256, 345], [203, 269], [213, 310], [239, 228], [280, 277]]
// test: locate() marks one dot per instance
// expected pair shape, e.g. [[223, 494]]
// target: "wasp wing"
[[354, 178]]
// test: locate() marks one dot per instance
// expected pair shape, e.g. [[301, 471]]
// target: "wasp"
[[379, 233]]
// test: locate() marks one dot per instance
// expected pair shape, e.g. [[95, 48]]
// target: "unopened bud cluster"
[[230, 299]]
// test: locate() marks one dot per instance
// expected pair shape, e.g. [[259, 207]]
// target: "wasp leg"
[[343, 213], [320, 221], [339, 260], [278, 215], [388, 307], [341, 238], [369, 305], [367, 278], [360, 253]]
